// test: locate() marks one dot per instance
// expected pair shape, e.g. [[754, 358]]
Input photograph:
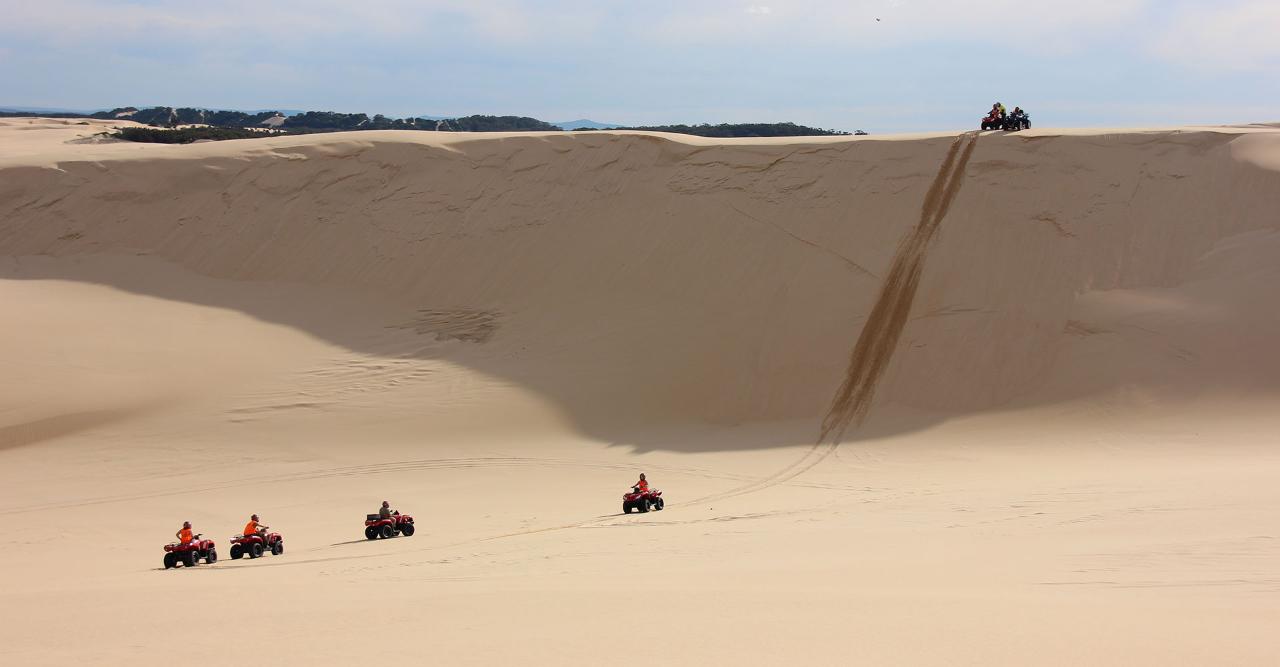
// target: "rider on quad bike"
[[1018, 120], [254, 541], [255, 528], [189, 549], [387, 523], [642, 497], [995, 119]]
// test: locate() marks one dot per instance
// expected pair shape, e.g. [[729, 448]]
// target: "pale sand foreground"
[[1070, 459]]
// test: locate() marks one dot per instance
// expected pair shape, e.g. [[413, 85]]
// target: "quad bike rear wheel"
[[236, 551], [170, 560], [407, 529], [371, 533], [255, 551], [387, 532]]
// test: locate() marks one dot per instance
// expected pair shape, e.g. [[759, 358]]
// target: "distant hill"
[[319, 121], [584, 124], [46, 110]]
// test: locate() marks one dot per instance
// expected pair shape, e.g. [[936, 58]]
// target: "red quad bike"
[[642, 501], [397, 524], [190, 553], [254, 546]]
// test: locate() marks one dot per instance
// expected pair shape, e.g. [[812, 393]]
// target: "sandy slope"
[[1051, 356]]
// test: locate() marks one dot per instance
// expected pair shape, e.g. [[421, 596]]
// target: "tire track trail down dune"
[[879, 337]]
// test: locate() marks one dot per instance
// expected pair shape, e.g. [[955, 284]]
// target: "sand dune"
[[997, 399]]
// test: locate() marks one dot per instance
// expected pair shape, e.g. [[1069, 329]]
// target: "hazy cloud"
[[825, 62]]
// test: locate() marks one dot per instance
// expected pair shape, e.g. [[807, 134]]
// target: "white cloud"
[[234, 19], [1047, 24], [1210, 34], [1222, 35]]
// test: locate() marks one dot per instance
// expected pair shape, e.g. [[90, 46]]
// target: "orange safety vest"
[[185, 535], [250, 528], [643, 485]]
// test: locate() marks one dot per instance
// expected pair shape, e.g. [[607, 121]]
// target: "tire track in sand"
[[879, 337]]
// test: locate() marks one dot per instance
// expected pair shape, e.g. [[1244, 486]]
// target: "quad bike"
[[993, 121], [254, 546], [376, 526], [1017, 121], [190, 553], [642, 500]]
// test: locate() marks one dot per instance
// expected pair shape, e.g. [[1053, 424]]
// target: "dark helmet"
[[641, 475], [254, 517], [386, 504], [186, 524]]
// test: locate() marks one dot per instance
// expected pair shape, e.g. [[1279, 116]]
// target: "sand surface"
[[1046, 365]]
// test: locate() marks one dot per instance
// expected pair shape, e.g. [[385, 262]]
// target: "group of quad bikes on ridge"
[[254, 541], [999, 119]]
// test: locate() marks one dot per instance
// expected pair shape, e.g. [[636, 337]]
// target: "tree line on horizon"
[[251, 124]]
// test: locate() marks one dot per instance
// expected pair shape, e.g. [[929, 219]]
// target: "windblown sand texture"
[[997, 399]]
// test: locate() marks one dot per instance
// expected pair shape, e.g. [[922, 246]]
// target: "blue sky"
[[925, 65]]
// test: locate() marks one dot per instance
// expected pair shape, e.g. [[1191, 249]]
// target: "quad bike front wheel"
[[190, 558], [626, 508], [407, 529], [170, 560], [643, 506], [658, 505], [212, 557], [277, 548]]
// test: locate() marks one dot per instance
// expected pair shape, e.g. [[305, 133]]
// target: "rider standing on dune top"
[[643, 484], [184, 536]]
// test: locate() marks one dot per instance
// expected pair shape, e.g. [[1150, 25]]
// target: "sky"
[[877, 65]]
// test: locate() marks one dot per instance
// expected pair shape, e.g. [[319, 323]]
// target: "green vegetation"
[[186, 135], [498, 124]]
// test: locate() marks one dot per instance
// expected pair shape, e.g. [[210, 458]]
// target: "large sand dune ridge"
[[732, 277]]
